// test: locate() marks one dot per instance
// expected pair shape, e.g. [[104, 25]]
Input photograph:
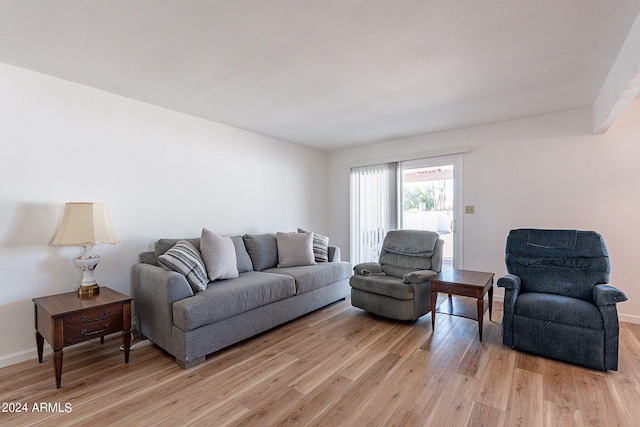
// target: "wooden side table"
[[474, 284], [65, 319]]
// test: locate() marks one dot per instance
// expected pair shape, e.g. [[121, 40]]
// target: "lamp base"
[[87, 292]]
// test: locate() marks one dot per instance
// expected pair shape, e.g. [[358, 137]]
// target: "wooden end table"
[[474, 284], [65, 319]]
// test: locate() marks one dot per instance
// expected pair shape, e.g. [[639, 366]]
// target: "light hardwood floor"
[[338, 366]]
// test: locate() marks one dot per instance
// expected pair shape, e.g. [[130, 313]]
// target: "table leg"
[[57, 366], [126, 335], [490, 301], [126, 344], [434, 299], [480, 315], [39, 345]]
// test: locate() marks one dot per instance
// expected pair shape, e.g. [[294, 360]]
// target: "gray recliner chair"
[[398, 286], [557, 303]]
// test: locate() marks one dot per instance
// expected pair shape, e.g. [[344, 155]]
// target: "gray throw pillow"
[[185, 259], [219, 255], [295, 249], [320, 246], [244, 260], [262, 249]]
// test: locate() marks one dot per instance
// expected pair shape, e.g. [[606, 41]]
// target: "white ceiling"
[[328, 74]]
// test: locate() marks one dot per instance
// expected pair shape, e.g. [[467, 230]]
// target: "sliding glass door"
[[430, 199], [423, 194]]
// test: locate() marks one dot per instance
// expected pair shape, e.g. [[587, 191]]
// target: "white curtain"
[[372, 209]]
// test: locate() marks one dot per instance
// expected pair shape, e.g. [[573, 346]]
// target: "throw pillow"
[[163, 245], [320, 246], [263, 250], [219, 255], [244, 260], [185, 259], [295, 249]]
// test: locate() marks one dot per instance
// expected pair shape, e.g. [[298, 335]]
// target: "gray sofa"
[[189, 325]]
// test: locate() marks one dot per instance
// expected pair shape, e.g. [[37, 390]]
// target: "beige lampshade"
[[85, 224]]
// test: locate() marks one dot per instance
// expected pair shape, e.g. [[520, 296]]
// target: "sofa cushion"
[[389, 286], [219, 255], [558, 309], [185, 259], [295, 249], [310, 277], [263, 250], [227, 298], [320, 246]]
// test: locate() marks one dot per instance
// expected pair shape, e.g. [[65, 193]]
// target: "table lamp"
[[86, 224]]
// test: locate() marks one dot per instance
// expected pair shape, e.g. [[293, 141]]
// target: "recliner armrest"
[[418, 276], [367, 269], [607, 295], [511, 284], [509, 281]]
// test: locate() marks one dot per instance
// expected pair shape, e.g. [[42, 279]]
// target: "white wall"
[[162, 173], [546, 172]]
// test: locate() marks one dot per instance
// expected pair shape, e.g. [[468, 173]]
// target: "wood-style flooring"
[[338, 366]]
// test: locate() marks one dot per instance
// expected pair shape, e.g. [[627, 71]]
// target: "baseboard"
[[32, 354], [22, 356], [629, 318]]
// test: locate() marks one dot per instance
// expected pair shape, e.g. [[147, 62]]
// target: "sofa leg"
[[191, 363]]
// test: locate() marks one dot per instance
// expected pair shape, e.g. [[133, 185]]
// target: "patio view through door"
[[429, 196], [423, 194]]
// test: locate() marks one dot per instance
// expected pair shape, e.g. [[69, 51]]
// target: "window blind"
[[373, 192]]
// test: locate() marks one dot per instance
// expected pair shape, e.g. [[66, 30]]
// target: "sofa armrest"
[[418, 276], [155, 289], [607, 295], [367, 269], [334, 254], [148, 258]]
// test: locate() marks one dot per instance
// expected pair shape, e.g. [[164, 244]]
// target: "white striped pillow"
[[185, 259], [320, 246]]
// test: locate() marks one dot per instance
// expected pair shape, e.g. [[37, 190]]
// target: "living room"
[[166, 173]]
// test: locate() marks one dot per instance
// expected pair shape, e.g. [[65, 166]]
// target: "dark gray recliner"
[[557, 302], [398, 286]]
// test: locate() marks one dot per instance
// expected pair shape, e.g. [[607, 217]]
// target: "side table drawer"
[[93, 323], [455, 290]]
